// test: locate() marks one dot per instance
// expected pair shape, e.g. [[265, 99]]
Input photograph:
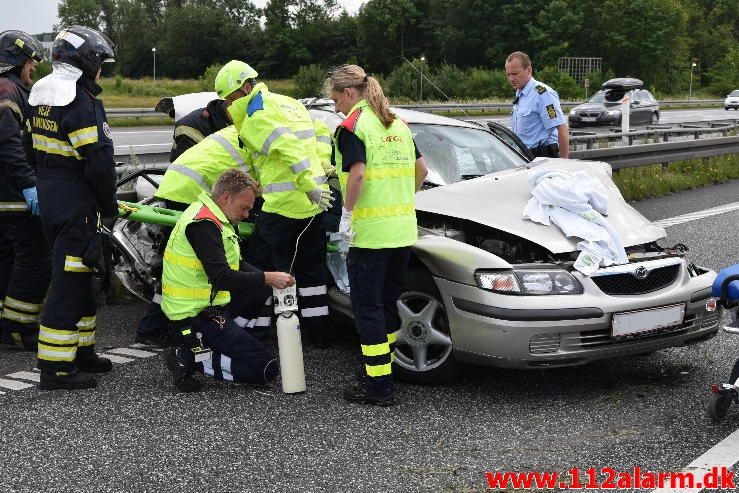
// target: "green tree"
[[81, 12], [724, 75], [387, 31]]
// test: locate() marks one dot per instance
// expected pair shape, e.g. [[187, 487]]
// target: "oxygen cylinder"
[[288, 341]]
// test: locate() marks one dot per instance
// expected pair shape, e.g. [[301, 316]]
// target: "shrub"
[[309, 81], [479, 84], [208, 79]]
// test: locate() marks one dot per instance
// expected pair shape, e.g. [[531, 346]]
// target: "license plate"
[[588, 119], [643, 321]]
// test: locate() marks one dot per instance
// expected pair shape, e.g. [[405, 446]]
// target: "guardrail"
[[447, 107]]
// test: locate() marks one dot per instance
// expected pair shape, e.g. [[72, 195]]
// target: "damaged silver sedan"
[[486, 286]]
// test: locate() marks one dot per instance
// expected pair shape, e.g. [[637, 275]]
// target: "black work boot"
[[363, 391], [155, 339], [26, 341], [94, 364], [181, 363], [74, 380]]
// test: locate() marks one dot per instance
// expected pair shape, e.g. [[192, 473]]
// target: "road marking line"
[[117, 359], [672, 221], [724, 454], [26, 375], [132, 352], [13, 384], [149, 347]]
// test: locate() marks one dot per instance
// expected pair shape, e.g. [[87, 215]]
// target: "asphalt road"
[[134, 433], [142, 140]]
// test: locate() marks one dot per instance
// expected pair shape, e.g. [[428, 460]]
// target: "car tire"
[[424, 352], [654, 118]]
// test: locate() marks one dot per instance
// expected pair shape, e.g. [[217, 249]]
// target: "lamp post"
[[423, 59], [154, 51], [690, 91]]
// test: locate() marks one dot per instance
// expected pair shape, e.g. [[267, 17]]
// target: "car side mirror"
[[636, 103]]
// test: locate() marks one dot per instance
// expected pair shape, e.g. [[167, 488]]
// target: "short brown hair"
[[525, 60], [234, 181]]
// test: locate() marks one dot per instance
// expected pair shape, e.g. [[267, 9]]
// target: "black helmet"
[[84, 48], [16, 47]]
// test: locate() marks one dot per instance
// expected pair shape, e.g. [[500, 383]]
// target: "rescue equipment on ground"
[[289, 340]]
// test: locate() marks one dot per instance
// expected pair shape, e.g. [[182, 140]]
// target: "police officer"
[[76, 185], [280, 135], [380, 172], [196, 125], [24, 256], [201, 275], [192, 173], [537, 117]]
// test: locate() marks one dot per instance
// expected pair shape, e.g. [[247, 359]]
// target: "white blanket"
[[576, 203]]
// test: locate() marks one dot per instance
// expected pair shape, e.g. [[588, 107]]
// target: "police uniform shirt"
[[537, 114], [353, 150]]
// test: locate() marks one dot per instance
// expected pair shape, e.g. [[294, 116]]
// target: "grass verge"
[[141, 122], [656, 180]]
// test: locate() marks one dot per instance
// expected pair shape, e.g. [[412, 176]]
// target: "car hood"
[[596, 106], [497, 200]]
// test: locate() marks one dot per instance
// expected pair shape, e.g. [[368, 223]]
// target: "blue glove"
[[31, 197]]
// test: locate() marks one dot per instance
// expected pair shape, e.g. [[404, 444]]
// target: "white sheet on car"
[[576, 203]]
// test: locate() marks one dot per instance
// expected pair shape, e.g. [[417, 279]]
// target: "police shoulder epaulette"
[[207, 214], [256, 104], [540, 89], [350, 122]]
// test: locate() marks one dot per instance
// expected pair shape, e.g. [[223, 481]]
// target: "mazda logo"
[[641, 272]]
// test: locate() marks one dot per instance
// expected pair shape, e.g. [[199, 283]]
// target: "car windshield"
[[453, 154], [734, 93], [598, 97]]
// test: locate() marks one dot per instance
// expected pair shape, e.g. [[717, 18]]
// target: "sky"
[[39, 16]]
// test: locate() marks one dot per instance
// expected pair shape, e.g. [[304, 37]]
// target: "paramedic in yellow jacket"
[[288, 161], [380, 171]]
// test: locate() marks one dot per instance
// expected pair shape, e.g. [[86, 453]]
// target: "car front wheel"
[[424, 351]]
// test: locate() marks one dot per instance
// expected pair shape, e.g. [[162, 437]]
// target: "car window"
[[734, 93], [598, 97], [453, 154], [650, 97]]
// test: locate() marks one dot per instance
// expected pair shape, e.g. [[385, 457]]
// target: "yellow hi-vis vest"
[[198, 168], [385, 213], [281, 137], [186, 290]]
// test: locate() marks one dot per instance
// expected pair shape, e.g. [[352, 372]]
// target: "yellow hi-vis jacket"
[[186, 290], [281, 137], [385, 213], [198, 168]]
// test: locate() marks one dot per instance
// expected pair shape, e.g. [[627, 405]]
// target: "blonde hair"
[[354, 76]]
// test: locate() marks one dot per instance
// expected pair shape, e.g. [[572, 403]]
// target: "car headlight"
[[572, 113], [528, 282], [612, 113]]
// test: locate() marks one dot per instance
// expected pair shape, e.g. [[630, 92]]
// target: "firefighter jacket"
[[198, 168], [74, 151], [186, 290], [16, 155], [196, 125], [280, 136], [385, 213]]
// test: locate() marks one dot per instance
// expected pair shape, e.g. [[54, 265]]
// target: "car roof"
[[624, 83], [408, 116]]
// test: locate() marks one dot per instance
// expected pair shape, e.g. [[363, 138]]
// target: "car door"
[[510, 139], [640, 107]]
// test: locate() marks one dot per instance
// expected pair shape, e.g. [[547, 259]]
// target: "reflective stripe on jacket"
[[198, 168], [186, 290], [384, 215], [281, 137]]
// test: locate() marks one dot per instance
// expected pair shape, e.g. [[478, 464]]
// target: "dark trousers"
[[67, 332], [237, 355], [25, 271], [272, 248], [376, 278]]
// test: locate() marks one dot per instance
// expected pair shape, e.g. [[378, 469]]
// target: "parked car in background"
[[732, 100], [486, 286], [604, 107]]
